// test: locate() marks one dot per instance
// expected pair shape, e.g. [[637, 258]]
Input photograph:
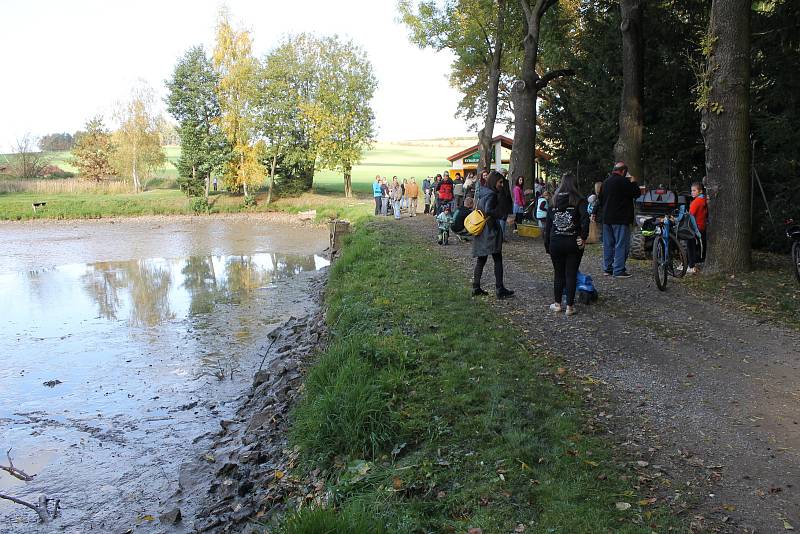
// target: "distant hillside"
[[437, 142]]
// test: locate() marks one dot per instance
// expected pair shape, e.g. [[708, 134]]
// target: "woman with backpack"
[[490, 240], [565, 233]]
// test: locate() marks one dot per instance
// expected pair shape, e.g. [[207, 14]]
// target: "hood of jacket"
[[485, 192], [561, 201]]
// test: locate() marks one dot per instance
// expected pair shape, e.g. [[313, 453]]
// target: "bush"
[[249, 201], [61, 175], [346, 407], [327, 521], [199, 205]]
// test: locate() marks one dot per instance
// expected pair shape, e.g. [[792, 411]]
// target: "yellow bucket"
[[529, 230]]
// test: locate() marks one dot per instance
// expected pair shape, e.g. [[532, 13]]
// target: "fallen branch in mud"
[[40, 508], [14, 471]]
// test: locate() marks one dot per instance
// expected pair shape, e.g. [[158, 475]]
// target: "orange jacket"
[[699, 209], [412, 190]]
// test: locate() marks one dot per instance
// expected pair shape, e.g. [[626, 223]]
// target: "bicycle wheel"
[[680, 262], [660, 264], [796, 259]]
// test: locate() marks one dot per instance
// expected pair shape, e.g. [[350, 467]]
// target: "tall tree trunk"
[[134, 174], [726, 127], [271, 178], [348, 181], [628, 147], [523, 94], [486, 134]]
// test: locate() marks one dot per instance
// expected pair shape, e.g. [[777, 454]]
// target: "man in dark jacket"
[[616, 205]]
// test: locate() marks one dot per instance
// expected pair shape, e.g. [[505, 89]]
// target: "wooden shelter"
[[467, 160]]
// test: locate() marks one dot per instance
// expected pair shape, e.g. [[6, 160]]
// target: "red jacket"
[[445, 189], [699, 209]]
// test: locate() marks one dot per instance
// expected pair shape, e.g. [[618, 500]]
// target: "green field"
[[386, 159], [403, 161]]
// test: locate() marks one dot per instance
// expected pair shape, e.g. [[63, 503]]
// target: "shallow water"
[[150, 352]]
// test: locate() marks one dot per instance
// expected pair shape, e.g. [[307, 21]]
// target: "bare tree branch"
[[40, 508], [542, 82], [14, 471]]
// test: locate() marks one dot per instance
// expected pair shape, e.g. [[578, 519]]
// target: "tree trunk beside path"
[[628, 147], [726, 128], [487, 133]]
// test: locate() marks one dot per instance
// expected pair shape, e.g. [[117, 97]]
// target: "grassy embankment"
[[427, 413], [71, 199]]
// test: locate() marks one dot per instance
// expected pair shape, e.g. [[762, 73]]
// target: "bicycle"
[[669, 257]]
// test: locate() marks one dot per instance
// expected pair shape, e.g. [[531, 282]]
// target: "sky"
[[63, 62]]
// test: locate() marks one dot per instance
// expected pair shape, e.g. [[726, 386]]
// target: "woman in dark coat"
[[490, 240], [505, 208], [565, 233]]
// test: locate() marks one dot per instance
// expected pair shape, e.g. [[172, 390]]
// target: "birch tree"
[[138, 143]]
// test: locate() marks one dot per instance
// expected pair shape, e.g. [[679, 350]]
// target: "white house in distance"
[[467, 160]]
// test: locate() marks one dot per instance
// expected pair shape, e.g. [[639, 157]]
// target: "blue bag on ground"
[[586, 293]]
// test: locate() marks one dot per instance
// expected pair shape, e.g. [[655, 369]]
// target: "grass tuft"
[[352, 520]]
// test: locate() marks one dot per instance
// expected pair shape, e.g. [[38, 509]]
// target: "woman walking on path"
[[566, 230], [490, 240]]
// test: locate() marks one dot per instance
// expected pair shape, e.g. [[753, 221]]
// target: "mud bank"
[[243, 476], [149, 331]]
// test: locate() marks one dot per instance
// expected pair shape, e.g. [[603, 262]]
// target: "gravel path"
[[705, 395]]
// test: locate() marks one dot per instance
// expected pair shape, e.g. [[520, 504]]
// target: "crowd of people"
[[566, 217]]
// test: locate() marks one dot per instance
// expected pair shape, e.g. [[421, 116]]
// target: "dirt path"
[[707, 396]]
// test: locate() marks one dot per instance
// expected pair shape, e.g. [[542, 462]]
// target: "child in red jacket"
[[699, 209]]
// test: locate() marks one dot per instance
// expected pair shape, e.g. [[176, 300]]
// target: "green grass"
[[403, 161], [427, 411]]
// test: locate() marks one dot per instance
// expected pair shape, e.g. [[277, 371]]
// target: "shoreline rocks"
[[244, 475]]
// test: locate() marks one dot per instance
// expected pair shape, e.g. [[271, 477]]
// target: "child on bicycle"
[[444, 220]]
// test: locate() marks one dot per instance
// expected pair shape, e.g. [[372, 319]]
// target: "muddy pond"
[[123, 344]]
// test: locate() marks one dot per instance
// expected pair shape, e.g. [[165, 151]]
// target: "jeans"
[[616, 245], [503, 227], [384, 206], [565, 272], [396, 205], [498, 270], [377, 205]]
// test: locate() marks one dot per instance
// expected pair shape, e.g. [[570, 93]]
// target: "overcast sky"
[[65, 61]]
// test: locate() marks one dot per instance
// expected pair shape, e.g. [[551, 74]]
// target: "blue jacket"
[[376, 189]]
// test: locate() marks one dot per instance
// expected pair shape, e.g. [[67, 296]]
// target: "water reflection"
[[149, 290]]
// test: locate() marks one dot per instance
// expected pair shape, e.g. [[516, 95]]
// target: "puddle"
[[147, 353]]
